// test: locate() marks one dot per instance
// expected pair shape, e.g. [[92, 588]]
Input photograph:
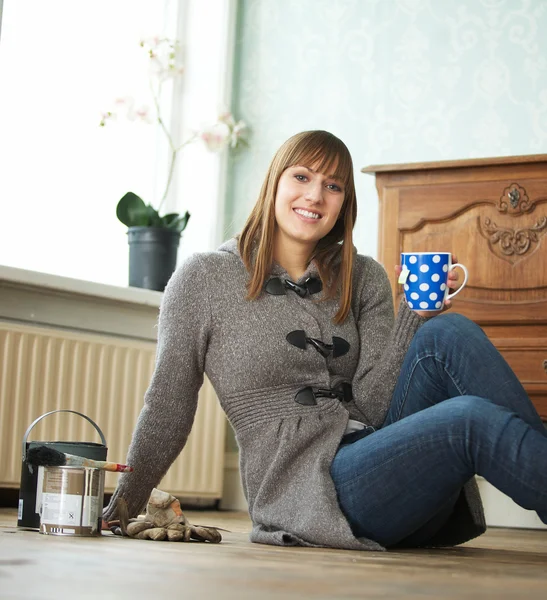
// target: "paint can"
[[30, 491], [72, 501]]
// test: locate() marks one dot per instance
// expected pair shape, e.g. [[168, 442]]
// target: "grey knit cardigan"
[[286, 449]]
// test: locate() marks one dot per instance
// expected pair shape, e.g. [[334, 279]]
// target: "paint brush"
[[44, 456]]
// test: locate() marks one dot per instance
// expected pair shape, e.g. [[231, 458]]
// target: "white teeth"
[[306, 213]]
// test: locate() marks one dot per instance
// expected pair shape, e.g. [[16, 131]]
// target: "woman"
[[356, 429]]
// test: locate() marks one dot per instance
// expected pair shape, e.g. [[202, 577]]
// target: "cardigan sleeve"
[[384, 341], [170, 401]]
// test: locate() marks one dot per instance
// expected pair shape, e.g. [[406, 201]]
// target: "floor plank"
[[504, 563]]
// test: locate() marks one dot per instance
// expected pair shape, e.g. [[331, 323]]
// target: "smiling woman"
[[312, 171], [357, 429], [307, 206]]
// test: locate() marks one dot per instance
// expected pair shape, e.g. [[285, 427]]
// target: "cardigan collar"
[[276, 270]]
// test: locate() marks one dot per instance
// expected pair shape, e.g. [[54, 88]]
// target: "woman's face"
[[307, 205]]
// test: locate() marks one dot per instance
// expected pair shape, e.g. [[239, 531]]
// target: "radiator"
[[43, 369]]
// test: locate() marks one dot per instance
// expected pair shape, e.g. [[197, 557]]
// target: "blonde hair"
[[329, 155]]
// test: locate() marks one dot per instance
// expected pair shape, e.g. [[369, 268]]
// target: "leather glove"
[[164, 520]]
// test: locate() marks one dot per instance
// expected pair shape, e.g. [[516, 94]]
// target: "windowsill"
[[52, 300], [55, 283]]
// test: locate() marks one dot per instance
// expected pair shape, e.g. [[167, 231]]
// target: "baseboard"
[[501, 511]]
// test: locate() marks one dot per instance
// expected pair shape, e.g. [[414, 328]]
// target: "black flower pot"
[[152, 256]]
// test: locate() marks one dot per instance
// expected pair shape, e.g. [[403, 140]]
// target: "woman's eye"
[[334, 187], [300, 177]]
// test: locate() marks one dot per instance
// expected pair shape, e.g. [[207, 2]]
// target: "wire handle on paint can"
[[66, 410]]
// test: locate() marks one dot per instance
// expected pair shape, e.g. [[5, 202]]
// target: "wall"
[[397, 80]]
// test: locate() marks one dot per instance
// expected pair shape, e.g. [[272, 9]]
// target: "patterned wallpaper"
[[397, 80]]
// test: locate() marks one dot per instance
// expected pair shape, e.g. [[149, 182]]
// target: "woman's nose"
[[314, 192]]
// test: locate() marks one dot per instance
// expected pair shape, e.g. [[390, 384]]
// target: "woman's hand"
[[453, 278]]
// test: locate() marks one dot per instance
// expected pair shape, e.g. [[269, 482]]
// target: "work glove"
[[164, 520]]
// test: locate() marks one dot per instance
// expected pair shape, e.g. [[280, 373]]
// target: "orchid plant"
[[226, 132]]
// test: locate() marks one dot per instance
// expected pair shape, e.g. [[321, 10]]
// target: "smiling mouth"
[[307, 214]]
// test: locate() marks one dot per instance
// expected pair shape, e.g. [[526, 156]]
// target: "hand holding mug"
[[428, 278]]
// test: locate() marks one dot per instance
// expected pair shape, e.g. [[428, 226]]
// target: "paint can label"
[[71, 500], [69, 509]]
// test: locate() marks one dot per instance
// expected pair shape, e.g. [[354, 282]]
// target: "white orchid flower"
[[165, 63], [216, 136]]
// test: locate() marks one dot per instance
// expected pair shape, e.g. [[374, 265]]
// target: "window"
[[61, 64]]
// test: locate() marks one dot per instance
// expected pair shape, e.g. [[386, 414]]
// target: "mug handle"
[[464, 269]]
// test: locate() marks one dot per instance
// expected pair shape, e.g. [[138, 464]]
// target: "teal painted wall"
[[397, 80]]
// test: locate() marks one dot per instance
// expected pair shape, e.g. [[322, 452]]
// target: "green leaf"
[[169, 219], [180, 223], [131, 210], [153, 218]]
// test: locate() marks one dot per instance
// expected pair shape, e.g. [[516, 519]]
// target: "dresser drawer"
[[528, 359]]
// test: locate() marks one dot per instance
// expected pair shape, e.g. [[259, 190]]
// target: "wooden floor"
[[504, 563]]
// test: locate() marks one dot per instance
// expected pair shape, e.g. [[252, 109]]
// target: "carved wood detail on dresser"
[[492, 214]]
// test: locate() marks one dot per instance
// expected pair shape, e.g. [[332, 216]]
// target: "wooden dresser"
[[492, 214]]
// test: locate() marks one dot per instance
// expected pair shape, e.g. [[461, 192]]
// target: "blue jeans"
[[457, 410]]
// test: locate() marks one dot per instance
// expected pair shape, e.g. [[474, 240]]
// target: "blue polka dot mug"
[[425, 278]]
